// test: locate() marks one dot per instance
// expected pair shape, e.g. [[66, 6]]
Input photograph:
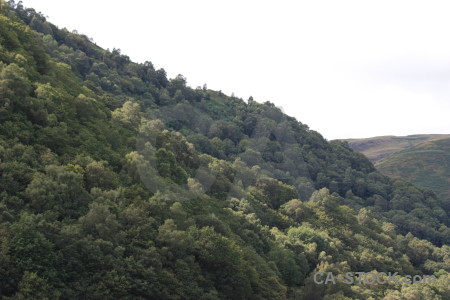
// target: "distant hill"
[[380, 147], [427, 165]]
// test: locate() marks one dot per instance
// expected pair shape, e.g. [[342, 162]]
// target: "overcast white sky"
[[346, 68]]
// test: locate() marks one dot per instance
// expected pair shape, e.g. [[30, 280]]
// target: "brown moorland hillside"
[[380, 147], [427, 165]]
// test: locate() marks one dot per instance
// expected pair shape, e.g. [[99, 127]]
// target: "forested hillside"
[[117, 182]]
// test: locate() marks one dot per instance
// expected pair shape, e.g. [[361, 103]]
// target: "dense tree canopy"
[[119, 183]]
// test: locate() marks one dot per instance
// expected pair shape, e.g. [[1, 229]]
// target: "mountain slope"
[[119, 183], [427, 165], [380, 147]]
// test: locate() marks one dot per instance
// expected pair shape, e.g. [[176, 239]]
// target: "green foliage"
[[58, 191], [34, 287], [119, 183], [293, 269], [30, 249], [278, 192], [308, 236], [128, 115], [167, 166]]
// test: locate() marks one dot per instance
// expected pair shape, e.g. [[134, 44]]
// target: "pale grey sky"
[[346, 68]]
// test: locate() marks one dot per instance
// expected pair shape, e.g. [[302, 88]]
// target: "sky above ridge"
[[347, 69]]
